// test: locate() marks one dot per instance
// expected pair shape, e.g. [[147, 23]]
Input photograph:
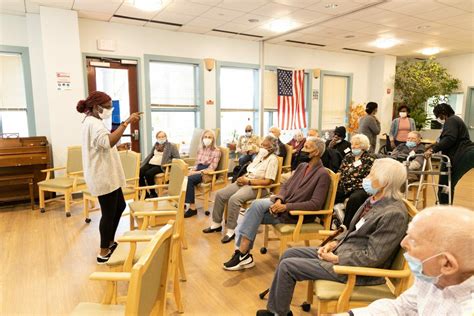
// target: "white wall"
[[13, 30]]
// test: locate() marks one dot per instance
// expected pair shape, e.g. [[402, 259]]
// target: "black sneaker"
[[265, 312], [239, 261], [113, 246], [104, 259], [190, 213]]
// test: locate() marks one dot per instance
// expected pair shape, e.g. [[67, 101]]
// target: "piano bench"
[[20, 179]]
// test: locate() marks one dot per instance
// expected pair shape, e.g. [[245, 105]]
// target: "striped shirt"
[[425, 299], [209, 157]]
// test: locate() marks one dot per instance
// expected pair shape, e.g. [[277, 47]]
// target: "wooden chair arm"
[[166, 165], [131, 239], [53, 169], [321, 212], [132, 179], [155, 213], [163, 198], [327, 232], [374, 272], [216, 172], [110, 276], [150, 187], [270, 186]]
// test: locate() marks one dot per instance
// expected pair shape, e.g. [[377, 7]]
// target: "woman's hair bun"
[[81, 106]]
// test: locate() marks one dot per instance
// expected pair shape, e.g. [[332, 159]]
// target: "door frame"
[[469, 110], [349, 77], [141, 107]]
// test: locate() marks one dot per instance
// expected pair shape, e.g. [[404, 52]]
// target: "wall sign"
[[63, 80]]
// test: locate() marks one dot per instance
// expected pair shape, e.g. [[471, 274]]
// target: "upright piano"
[[21, 162]]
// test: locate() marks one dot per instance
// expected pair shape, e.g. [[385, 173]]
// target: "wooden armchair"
[[72, 181], [287, 233], [147, 279], [339, 297], [131, 167], [163, 178], [219, 179], [287, 163]]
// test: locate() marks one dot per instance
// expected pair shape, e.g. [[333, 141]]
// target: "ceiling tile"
[[13, 6], [467, 5], [418, 8], [344, 23], [442, 13], [298, 4], [220, 34], [162, 26], [127, 21], [194, 29], [244, 19], [62, 4], [307, 16], [462, 21], [173, 17], [207, 2], [186, 7], [100, 16], [222, 14], [205, 22], [274, 10], [108, 6], [127, 9], [343, 6], [365, 14], [235, 27], [244, 5], [393, 19]]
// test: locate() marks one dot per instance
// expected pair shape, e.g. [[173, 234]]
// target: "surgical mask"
[[356, 152], [416, 266], [161, 141], [263, 152], [440, 120], [410, 144], [207, 141], [403, 114], [338, 141], [248, 134], [367, 186], [304, 156], [106, 113]]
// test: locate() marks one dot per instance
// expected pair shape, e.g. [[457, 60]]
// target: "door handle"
[[135, 134]]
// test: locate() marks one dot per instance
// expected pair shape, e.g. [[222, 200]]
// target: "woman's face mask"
[[161, 141], [356, 151], [106, 113], [207, 141], [367, 186], [402, 114]]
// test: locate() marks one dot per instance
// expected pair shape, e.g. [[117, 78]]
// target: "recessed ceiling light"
[[254, 20], [423, 27], [331, 5], [385, 42], [430, 51], [282, 25], [148, 5], [349, 36]]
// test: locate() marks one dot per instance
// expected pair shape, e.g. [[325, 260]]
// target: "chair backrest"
[[289, 155], [130, 163], [149, 276], [223, 161], [179, 170], [278, 176], [74, 159], [330, 197]]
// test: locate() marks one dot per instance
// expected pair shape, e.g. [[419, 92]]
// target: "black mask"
[[304, 156]]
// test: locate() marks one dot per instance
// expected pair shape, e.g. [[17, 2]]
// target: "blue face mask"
[[416, 266], [367, 185], [411, 144], [356, 152]]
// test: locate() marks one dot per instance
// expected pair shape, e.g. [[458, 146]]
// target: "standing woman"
[[401, 126], [102, 167], [455, 143], [369, 125]]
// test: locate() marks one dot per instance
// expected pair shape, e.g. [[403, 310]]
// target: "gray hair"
[[274, 143], [418, 134], [391, 175], [319, 143], [362, 140]]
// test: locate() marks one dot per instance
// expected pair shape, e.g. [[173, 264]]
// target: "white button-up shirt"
[[425, 299]]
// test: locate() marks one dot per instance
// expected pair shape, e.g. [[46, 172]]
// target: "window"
[[174, 96], [238, 91], [13, 105]]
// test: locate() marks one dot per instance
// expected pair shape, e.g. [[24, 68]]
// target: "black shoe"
[[239, 261], [104, 259], [212, 230], [265, 312], [190, 213], [227, 238], [113, 246]]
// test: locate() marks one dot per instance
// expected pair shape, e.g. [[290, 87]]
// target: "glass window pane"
[[14, 122], [172, 83], [233, 125], [237, 88], [179, 126], [270, 119], [12, 85]]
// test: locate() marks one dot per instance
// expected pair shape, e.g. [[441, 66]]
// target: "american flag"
[[291, 111]]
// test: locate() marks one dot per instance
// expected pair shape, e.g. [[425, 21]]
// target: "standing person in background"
[[247, 146], [369, 125], [401, 126], [103, 170], [162, 153], [455, 143]]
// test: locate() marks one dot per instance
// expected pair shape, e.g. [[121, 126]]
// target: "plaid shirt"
[[208, 156], [425, 299]]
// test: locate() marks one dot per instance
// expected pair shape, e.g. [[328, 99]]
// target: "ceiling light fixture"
[[331, 5], [385, 42], [148, 5], [253, 20], [423, 27], [349, 36], [282, 25], [430, 51]]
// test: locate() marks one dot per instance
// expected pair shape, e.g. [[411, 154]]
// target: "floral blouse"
[[352, 171]]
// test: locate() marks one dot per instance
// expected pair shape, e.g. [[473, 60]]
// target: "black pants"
[[463, 165], [356, 199], [112, 206], [147, 176]]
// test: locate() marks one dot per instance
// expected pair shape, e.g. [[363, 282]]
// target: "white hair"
[[362, 140], [391, 175], [418, 134], [274, 143], [298, 133], [319, 143]]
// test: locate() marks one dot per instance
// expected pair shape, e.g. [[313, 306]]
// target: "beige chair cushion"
[[92, 309], [61, 182], [145, 206], [286, 229], [159, 175], [328, 290], [121, 252]]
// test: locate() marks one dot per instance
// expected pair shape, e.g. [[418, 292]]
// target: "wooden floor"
[[46, 260]]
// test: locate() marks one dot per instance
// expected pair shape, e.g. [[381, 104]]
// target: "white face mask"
[[106, 113], [161, 141], [440, 120], [207, 141], [403, 114], [248, 134], [263, 152]]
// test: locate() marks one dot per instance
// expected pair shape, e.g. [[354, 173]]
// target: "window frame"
[[30, 108]]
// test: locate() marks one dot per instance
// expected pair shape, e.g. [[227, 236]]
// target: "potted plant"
[[419, 80], [233, 143]]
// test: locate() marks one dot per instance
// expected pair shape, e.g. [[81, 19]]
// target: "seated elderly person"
[[162, 153], [276, 132], [297, 142], [312, 132], [339, 142], [411, 147], [306, 190], [208, 157], [247, 146], [439, 252], [261, 171], [354, 168], [372, 240]]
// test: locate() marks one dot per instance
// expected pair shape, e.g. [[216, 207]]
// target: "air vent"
[[146, 20], [166, 23], [359, 50], [305, 43], [236, 33]]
